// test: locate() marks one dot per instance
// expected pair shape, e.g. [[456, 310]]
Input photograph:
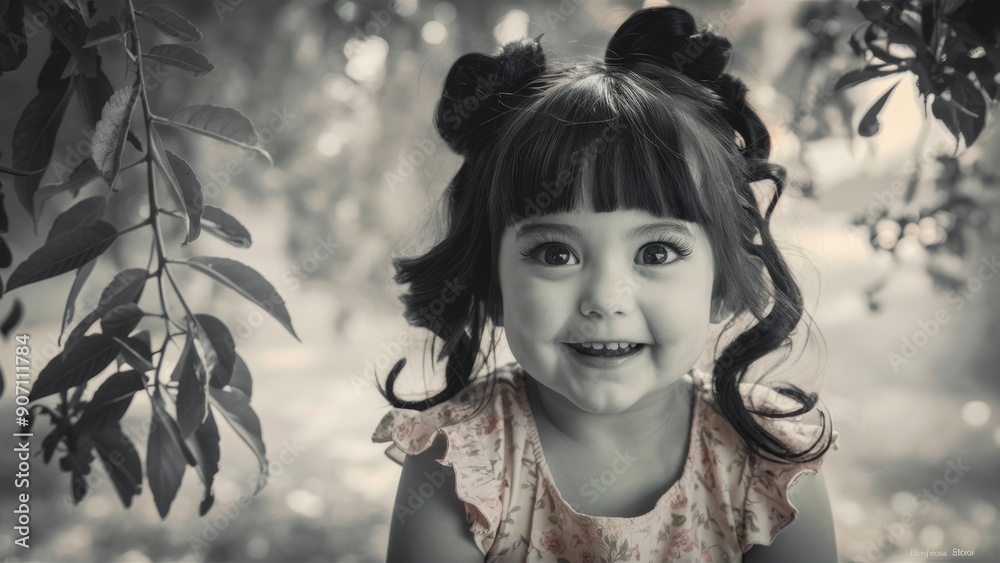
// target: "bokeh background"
[[357, 172]]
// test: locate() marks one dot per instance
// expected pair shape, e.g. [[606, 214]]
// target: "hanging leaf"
[[35, 136], [164, 457], [856, 77], [125, 287], [93, 94], [224, 347], [191, 192], [121, 320], [84, 173], [220, 123], [84, 213], [104, 30], [121, 460], [171, 23], [160, 157], [68, 26], [14, 317], [235, 408], [869, 123], [241, 379], [182, 57], [135, 352], [78, 282], [247, 282], [224, 226], [205, 446], [192, 403], [109, 137], [109, 403], [69, 369], [945, 112], [63, 253], [54, 67], [13, 46], [971, 106]]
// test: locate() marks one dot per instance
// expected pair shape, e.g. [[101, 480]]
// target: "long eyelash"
[[536, 242], [679, 246]]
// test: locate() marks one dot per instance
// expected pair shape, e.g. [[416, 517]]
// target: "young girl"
[[605, 216]]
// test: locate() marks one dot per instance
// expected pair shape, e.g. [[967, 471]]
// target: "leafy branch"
[[209, 379], [953, 49]]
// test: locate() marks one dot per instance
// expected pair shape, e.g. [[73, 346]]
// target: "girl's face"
[[626, 277]]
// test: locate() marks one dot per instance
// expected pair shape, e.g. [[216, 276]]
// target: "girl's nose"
[[608, 292]]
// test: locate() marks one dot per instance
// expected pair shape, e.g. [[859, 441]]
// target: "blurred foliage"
[[209, 377]]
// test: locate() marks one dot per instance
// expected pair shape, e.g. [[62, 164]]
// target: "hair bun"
[[480, 89], [668, 36]]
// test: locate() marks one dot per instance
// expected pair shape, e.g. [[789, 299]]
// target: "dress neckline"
[[694, 445]]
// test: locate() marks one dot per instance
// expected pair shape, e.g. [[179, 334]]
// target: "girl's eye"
[[555, 255], [658, 253]]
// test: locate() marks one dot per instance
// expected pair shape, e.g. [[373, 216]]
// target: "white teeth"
[[609, 346]]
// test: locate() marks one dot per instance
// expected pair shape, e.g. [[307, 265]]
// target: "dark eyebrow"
[[642, 231]]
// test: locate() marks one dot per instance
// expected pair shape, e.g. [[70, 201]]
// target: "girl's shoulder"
[[478, 410], [485, 436], [759, 484]]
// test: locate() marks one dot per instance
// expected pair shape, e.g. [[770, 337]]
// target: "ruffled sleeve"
[[474, 452], [768, 509]]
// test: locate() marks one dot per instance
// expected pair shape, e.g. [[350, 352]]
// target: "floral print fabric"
[[725, 501]]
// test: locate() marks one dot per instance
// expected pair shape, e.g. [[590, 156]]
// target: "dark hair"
[[659, 110]]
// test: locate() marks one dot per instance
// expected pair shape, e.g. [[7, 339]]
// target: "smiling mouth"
[[605, 351]]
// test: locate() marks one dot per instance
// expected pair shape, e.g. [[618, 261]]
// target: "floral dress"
[[725, 501]]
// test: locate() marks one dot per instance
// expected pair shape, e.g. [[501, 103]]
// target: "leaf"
[[946, 113], [109, 403], [245, 281], [871, 9], [105, 30], [220, 123], [205, 446], [971, 106], [235, 408], [171, 23], [160, 157], [63, 253], [136, 353], [13, 48], [68, 26], [121, 461], [109, 137], [93, 94], [35, 136], [856, 77], [86, 212], [78, 282], [190, 189], [54, 67], [223, 345], [182, 57], [125, 287], [84, 173], [69, 369], [241, 379], [192, 403], [869, 123], [14, 316], [121, 320], [164, 457], [223, 225]]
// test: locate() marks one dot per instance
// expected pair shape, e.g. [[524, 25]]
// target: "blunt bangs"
[[591, 138]]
